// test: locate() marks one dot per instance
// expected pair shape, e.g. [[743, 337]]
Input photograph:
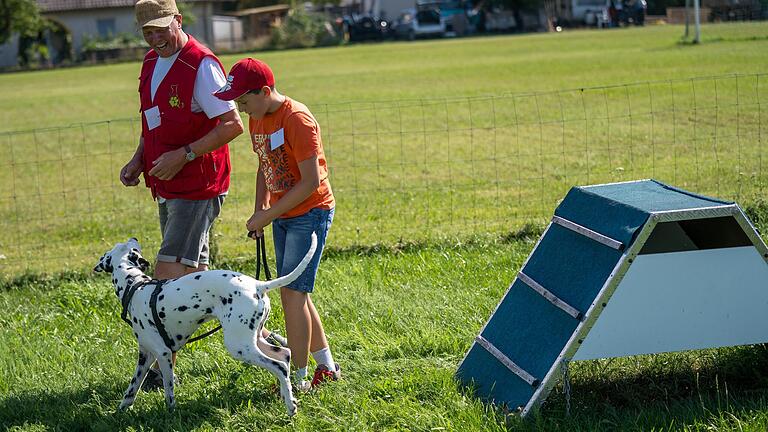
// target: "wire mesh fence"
[[404, 170]]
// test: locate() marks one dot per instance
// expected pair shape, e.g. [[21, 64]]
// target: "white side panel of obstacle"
[[623, 269]]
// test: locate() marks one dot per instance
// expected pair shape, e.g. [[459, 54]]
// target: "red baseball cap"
[[246, 75]]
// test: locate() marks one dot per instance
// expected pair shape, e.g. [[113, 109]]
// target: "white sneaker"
[[304, 386]]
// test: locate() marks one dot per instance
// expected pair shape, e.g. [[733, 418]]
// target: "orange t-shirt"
[[296, 137]]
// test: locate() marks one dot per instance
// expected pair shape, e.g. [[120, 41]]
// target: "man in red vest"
[[183, 150]]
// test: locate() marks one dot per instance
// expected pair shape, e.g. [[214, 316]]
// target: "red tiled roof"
[[70, 5], [67, 5]]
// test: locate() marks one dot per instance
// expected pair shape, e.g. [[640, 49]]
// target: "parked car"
[[361, 27], [414, 23], [634, 12], [499, 20], [453, 14]]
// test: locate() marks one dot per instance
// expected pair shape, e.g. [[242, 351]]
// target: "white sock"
[[301, 374], [324, 357]]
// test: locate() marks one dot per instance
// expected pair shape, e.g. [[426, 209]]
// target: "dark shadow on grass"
[[667, 392], [95, 408]]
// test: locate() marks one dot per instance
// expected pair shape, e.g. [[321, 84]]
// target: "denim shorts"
[[185, 225], [292, 237]]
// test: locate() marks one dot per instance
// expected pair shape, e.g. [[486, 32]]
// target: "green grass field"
[[447, 157]]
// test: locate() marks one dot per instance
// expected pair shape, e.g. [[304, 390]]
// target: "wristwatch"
[[190, 154]]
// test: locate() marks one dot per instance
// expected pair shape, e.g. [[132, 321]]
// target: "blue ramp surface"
[[514, 356]]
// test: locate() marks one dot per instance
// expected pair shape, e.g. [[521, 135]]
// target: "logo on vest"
[[174, 100]]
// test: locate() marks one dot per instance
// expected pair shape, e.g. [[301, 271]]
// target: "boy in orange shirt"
[[294, 195]]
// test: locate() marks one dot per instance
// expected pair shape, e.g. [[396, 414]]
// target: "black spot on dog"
[[161, 297], [142, 359], [223, 300], [280, 367], [178, 337], [135, 320], [201, 320], [240, 352], [196, 306], [161, 314], [182, 308], [209, 310], [141, 324], [197, 277], [224, 275]]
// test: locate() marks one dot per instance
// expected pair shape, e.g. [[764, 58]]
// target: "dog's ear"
[[105, 264], [143, 264], [136, 259]]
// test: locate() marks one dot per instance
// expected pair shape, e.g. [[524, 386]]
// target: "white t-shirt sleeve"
[[210, 78]]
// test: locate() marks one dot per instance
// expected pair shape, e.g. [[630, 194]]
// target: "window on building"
[[106, 27]]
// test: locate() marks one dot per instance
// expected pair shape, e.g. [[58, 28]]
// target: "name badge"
[[152, 116], [276, 139]]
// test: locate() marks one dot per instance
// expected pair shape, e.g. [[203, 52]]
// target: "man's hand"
[[168, 164], [257, 222], [129, 175]]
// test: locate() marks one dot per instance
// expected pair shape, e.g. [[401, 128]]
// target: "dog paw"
[[293, 409]]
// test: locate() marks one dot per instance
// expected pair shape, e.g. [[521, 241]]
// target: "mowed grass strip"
[[424, 69]]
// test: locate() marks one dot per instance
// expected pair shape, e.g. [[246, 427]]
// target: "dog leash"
[[261, 260], [261, 255]]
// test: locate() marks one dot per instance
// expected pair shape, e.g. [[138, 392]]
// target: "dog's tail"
[[264, 286]]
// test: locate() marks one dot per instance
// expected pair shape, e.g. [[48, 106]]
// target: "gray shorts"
[[184, 225]]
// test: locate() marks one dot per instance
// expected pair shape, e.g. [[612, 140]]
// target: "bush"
[[122, 40], [124, 46], [303, 29]]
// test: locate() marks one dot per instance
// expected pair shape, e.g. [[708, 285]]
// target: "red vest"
[[208, 175]]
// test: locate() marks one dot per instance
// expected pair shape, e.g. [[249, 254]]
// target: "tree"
[[19, 16]]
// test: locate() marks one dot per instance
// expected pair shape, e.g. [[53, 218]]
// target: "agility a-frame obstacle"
[[622, 269]]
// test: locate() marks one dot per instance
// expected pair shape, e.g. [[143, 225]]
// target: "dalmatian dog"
[[181, 305]]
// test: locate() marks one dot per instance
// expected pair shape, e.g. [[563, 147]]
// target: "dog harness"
[[126, 302]]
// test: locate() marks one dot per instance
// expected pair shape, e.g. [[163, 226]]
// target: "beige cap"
[[155, 13]]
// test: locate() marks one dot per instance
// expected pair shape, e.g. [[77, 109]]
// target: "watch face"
[[190, 156]]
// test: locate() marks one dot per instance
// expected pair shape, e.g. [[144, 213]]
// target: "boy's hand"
[[257, 222]]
